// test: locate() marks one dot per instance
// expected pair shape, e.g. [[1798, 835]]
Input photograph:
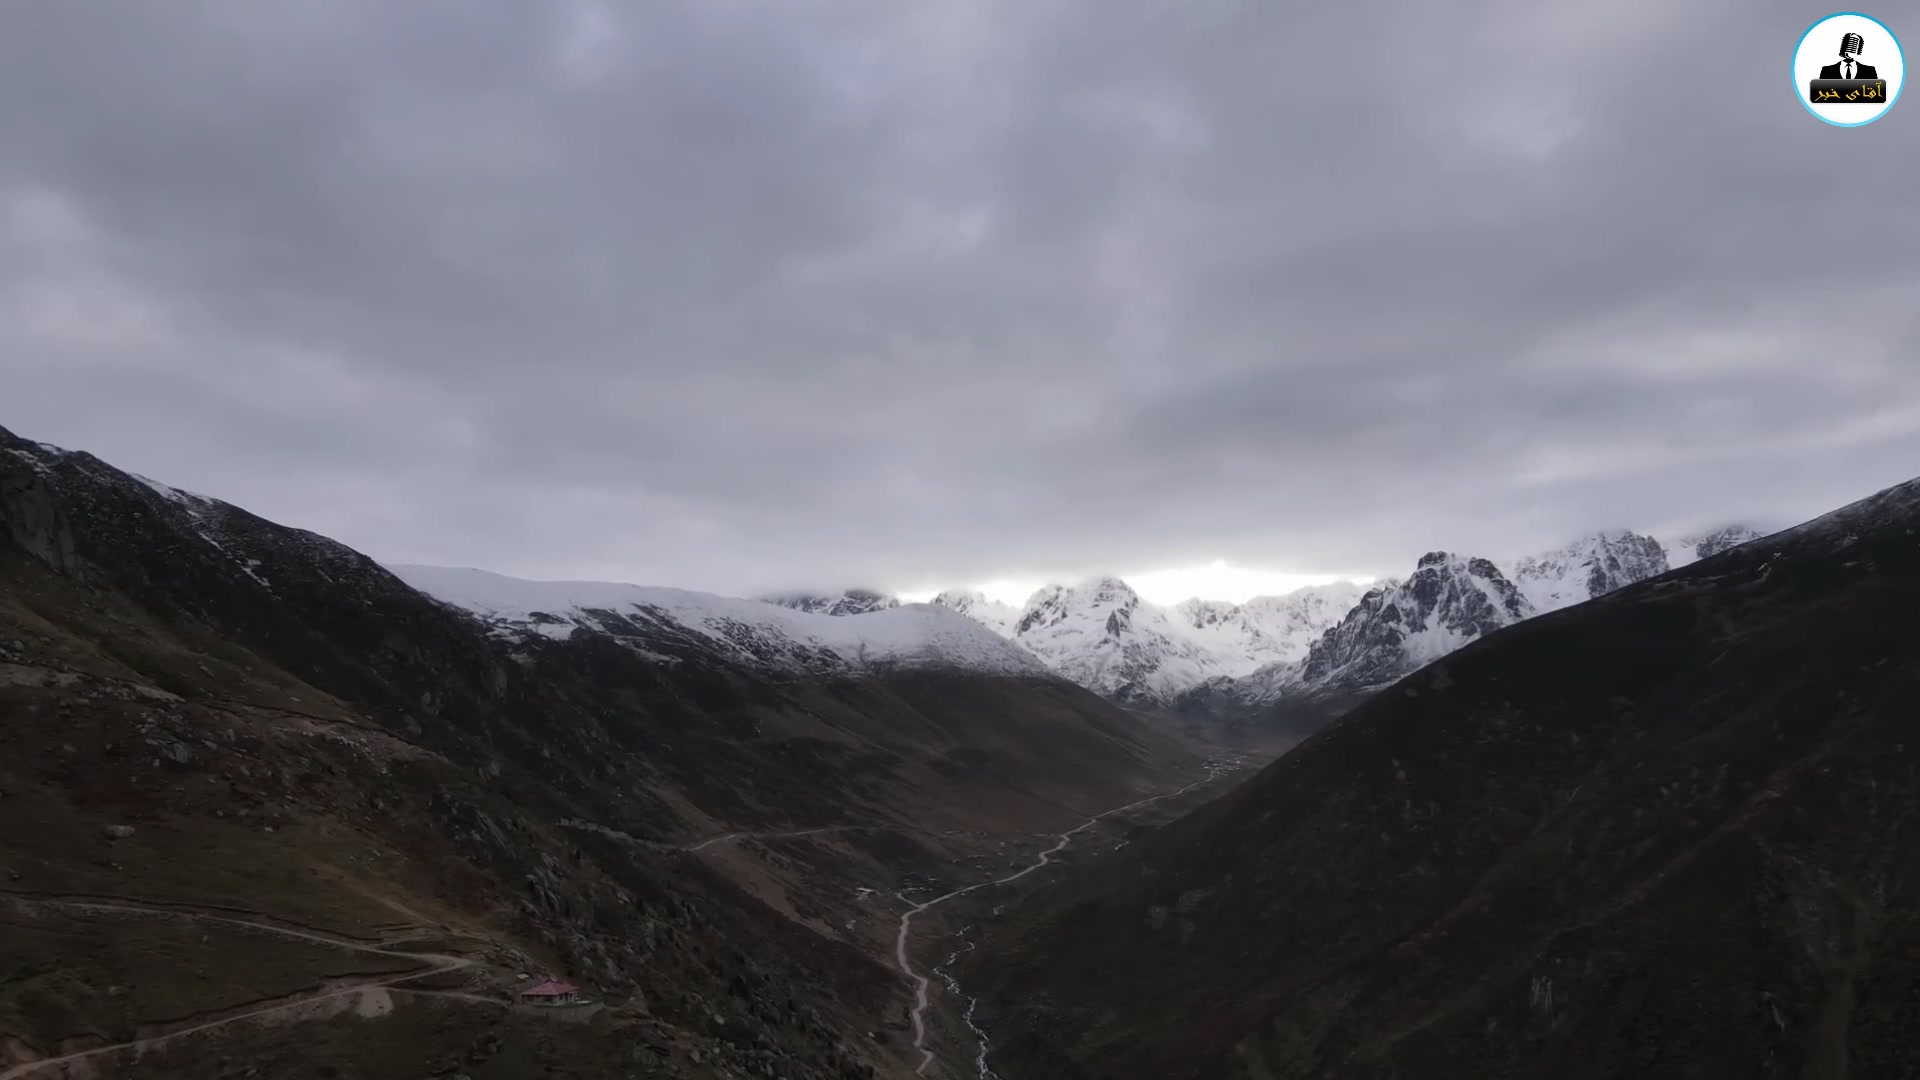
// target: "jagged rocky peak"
[[1448, 601], [1103, 634], [850, 602], [1201, 614], [1590, 566], [1464, 594], [1108, 589], [1106, 599], [1047, 605], [995, 615], [961, 600], [1708, 544], [1100, 634]]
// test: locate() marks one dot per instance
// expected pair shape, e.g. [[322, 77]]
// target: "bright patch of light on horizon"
[[1217, 580]]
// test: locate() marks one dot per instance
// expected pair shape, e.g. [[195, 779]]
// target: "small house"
[[550, 991]]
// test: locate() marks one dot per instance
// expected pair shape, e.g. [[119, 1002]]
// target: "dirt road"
[[437, 964]]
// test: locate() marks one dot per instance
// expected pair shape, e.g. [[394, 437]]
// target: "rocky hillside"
[[245, 771], [1665, 833]]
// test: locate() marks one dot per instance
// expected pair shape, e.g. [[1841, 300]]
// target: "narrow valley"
[[958, 540]]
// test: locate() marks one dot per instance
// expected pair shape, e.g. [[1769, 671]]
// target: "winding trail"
[[729, 837], [723, 838], [783, 834], [438, 964], [923, 985]]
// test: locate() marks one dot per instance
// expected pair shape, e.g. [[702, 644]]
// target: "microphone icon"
[[1845, 90], [1848, 68]]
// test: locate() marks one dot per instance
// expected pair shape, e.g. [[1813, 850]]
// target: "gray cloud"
[[735, 295]]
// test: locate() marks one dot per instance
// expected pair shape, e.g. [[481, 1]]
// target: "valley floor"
[[1220, 771], [372, 985]]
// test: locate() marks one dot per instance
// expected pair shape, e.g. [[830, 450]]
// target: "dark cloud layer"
[[735, 294]]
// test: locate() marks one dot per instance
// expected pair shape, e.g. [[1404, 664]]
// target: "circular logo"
[[1848, 69]]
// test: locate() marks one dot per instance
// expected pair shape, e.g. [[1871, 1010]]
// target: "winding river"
[[922, 985]]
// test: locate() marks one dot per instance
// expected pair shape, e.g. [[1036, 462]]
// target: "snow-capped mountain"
[[1212, 656], [1590, 566], [1222, 628], [1396, 627], [994, 615], [1293, 622], [1266, 629], [1101, 635], [1448, 601], [1688, 549], [850, 602], [660, 620]]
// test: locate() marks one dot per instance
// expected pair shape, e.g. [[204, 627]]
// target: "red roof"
[[549, 988]]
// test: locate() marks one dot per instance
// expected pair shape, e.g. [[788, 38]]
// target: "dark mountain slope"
[[603, 716], [204, 712], [1670, 832]]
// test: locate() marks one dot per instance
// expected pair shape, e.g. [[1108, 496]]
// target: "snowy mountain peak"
[[1104, 591], [1267, 629], [1706, 545], [1101, 633], [993, 614], [850, 602], [1107, 600], [1202, 614], [961, 600], [1590, 566], [1448, 601], [1462, 591]]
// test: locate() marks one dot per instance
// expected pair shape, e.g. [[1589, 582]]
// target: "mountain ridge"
[[1216, 659], [770, 633], [209, 712], [1660, 833]]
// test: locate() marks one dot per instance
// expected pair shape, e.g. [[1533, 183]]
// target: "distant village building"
[[550, 991]]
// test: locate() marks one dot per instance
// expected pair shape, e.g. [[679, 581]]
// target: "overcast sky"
[[737, 294]]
